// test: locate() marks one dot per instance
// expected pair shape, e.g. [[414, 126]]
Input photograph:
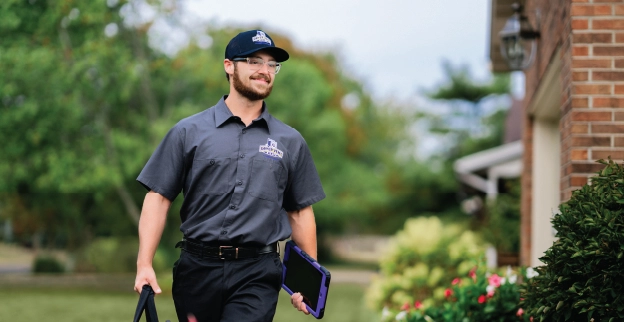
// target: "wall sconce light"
[[518, 40]]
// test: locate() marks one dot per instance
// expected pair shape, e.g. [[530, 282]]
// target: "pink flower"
[[472, 274], [456, 281], [418, 305], [490, 290], [448, 292], [494, 280], [405, 307], [481, 299], [520, 312]]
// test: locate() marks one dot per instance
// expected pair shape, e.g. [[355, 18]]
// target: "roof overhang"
[[504, 161]]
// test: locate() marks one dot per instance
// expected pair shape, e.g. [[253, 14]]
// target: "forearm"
[[304, 229], [151, 226]]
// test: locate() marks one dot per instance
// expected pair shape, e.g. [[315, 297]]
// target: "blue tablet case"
[[305, 275]]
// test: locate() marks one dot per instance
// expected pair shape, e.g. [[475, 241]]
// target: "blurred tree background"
[[88, 89]]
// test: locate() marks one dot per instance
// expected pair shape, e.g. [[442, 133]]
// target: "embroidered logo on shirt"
[[271, 149], [261, 38]]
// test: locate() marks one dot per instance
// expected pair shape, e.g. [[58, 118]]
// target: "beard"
[[249, 92]]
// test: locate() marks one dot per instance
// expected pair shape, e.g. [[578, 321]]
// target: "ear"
[[228, 65]]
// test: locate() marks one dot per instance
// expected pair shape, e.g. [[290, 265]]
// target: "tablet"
[[305, 275]]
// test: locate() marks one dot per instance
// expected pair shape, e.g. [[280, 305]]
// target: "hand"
[[146, 275], [297, 301]]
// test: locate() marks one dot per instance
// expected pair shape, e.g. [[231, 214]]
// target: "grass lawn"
[[344, 304]]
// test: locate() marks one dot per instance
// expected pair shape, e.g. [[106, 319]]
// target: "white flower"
[[530, 272], [402, 315], [503, 280], [490, 289], [385, 313], [513, 279]]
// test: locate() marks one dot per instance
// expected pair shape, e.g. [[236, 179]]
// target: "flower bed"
[[480, 296]]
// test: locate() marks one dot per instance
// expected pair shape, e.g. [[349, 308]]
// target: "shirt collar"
[[223, 114]]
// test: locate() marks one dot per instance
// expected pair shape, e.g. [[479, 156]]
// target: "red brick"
[[614, 154], [598, 1], [619, 63], [591, 10], [580, 0], [608, 24], [578, 180], [580, 102], [618, 116], [619, 37], [607, 102], [591, 63], [580, 24], [619, 9], [618, 141], [580, 51], [607, 128], [579, 154], [586, 167], [579, 89], [591, 116], [607, 76], [592, 38], [608, 51], [580, 76], [618, 89], [579, 128]]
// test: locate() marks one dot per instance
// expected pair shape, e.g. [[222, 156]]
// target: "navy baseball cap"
[[249, 42]]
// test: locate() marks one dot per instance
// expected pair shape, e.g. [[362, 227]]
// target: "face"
[[254, 85]]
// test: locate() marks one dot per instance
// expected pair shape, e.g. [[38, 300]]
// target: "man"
[[248, 181]]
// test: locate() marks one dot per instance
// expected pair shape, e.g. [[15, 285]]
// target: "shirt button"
[[232, 207], [244, 131], [241, 155], [239, 182], [211, 162], [223, 232]]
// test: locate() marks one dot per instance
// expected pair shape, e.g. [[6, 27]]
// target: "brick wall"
[[595, 124]]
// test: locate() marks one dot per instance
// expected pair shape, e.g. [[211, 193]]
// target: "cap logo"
[[271, 149], [261, 38]]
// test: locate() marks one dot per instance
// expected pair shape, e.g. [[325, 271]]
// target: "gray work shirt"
[[238, 182]]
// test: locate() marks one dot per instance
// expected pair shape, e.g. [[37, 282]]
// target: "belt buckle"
[[223, 248]]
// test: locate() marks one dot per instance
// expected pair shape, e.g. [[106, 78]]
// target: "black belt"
[[201, 250]]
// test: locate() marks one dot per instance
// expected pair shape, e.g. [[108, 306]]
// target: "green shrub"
[[582, 277], [502, 227], [47, 264], [420, 260]]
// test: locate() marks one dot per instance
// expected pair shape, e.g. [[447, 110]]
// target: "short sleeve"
[[304, 185], [164, 171]]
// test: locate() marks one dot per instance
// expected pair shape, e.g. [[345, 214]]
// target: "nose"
[[264, 69]]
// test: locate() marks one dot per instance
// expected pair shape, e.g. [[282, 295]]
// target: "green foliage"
[[461, 86], [47, 264], [82, 112], [421, 259], [480, 296], [582, 276], [502, 227]]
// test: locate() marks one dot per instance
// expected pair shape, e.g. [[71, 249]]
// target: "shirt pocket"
[[265, 178], [212, 176]]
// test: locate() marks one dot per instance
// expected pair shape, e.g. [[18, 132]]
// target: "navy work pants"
[[227, 290]]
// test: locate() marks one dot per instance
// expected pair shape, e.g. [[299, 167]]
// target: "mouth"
[[261, 80]]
